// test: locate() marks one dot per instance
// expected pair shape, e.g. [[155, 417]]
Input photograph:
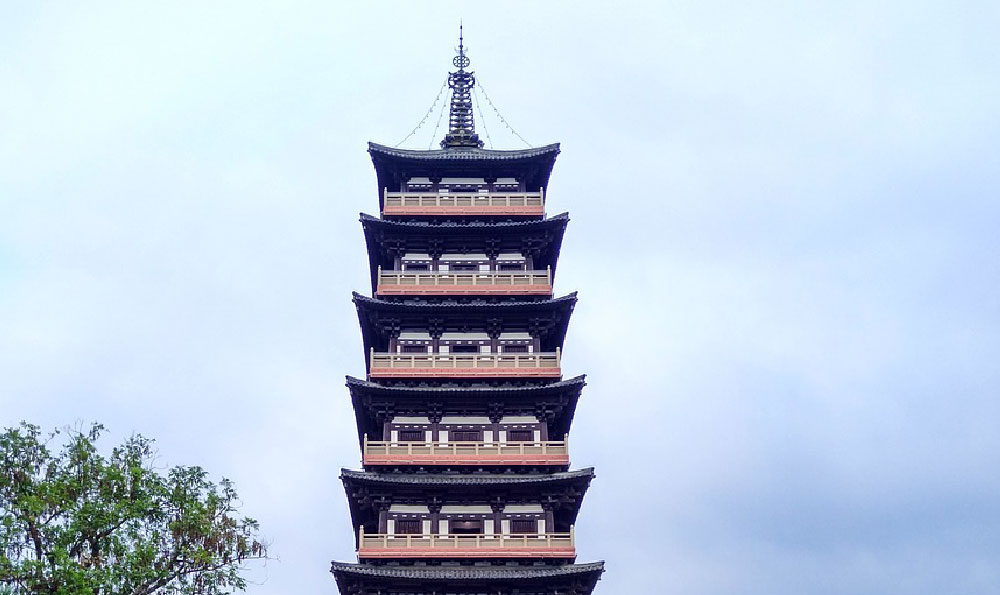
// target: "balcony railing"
[[464, 283], [464, 365], [531, 545], [463, 203], [539, 452]]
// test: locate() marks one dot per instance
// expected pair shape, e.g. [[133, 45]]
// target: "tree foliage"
[[75, 522]]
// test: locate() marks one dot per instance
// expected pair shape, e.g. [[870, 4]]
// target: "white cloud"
[[783, 235]]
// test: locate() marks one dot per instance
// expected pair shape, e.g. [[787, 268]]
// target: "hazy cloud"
[[784, 238]]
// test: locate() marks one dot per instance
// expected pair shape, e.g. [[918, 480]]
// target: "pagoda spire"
[[461, 125]]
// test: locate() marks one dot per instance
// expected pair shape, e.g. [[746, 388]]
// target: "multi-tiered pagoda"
[[464, 416]]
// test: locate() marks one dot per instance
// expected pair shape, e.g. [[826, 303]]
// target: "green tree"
[[75, 522]]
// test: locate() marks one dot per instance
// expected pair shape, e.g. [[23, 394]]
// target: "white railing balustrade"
[[563, 542], [445, 279], [470, 361], [458, 200], [392, 448]]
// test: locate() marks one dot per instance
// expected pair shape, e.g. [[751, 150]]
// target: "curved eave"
[[466, 576], [552, 387], [473, 481], [450, 227], [376, 230], [560, 309], [567, 300], [392, 165], [360, 484], [570, 388], [463, 153]]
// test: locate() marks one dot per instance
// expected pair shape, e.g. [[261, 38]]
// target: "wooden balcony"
[[532, 545], [523, 204], [464, 365], [544, 452], [464, 283]]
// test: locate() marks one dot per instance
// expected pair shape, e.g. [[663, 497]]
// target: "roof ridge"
[[463, 152], [468, 572], [579, 379], [366, 218], [569, 297], [424, 477]]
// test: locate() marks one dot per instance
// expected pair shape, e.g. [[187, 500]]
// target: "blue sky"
[[784, 237]]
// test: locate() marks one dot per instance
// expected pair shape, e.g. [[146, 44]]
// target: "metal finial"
[[461, 60], [461, 126]]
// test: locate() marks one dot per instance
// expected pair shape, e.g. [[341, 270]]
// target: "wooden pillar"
[[498, 505], [434, 415], [550, 522], [493, 329], [393, 340], [383, 503], [435, 507], [435, 328], [434, 250], [544, 415], [384, 416], [496, 415], [492, 251]]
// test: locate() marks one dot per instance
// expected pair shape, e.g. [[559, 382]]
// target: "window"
[[511, 266], [412, 435], [523, 526], [466, 527], [520, 435], [413, 348], [409, 527], [465, 348], [417, 266], [463, 267], [515, 349], [466, 435]]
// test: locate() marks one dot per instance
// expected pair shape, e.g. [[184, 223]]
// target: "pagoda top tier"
[[395, 167], [462, 156]]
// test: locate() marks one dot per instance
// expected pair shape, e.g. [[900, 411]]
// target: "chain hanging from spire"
[[461, 126]]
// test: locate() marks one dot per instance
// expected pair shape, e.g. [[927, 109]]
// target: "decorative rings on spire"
[[461, 123]]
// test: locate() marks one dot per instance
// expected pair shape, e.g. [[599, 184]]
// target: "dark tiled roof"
[[467, 572], [453, 226], [416, 236], [560, 396], [467, 479], [552, 386], [568, 486], [517, 315], [532, 167], [363, 300], [464, 153]]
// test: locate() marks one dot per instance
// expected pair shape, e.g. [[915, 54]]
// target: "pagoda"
[[464, 414]]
